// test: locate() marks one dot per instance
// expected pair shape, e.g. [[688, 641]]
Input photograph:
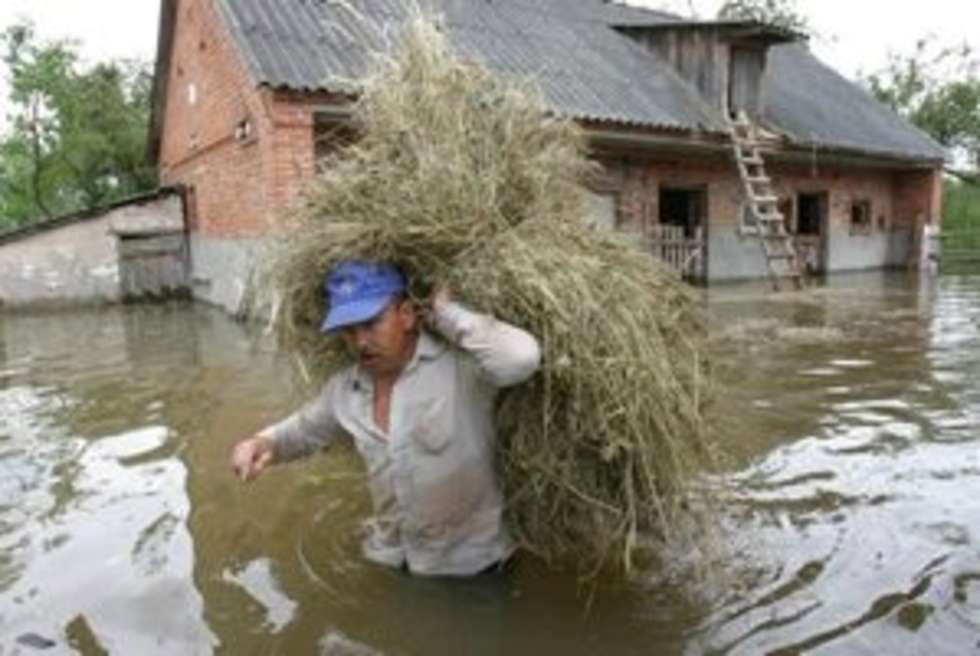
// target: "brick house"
[[245, 89]]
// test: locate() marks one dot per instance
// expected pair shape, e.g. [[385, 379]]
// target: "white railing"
[[684, 255]]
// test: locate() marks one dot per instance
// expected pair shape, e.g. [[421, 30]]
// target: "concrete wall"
[[74, 263], [75, 259], [878, 250], [222, 269]]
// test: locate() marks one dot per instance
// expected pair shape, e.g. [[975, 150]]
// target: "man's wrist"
[[267, 441]]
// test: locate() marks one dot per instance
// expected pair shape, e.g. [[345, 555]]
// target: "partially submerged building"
[[132, 249], [247, 93]]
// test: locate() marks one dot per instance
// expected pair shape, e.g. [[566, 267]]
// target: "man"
[[420, 412]]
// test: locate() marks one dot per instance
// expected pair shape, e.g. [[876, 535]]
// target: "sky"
[[855, 35]]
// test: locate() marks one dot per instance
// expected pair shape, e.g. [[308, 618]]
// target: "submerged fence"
[[682, 254]]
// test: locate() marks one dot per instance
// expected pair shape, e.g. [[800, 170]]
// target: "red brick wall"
[[239, 186], [896, 197], [919, 197]]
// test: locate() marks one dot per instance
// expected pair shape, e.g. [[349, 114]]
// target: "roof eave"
[[46, 225], [702, 142], [736, 30], [814, 151]]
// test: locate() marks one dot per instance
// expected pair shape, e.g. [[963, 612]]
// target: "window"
[[861, 222], [330, 139], [684, 208]]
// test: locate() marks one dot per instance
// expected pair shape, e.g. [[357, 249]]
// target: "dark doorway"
[[811, 230], [810, 214], [683, 207]]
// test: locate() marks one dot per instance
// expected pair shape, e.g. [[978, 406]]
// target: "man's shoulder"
[[432, 347]]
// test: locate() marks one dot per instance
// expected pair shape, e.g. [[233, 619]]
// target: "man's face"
[[385, 344]]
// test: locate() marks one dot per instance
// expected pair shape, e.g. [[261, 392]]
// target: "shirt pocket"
[[432, 428]]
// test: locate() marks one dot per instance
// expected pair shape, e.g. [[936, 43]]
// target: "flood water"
[[851, 415]]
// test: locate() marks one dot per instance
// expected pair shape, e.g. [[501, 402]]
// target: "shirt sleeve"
[[314, 426], [506, 355]]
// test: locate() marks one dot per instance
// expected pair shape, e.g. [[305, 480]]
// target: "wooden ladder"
[[777, 244]]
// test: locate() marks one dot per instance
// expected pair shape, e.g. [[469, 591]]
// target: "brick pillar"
[[291, 155]]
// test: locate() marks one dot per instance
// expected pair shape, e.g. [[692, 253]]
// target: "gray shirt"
[[437, 501]]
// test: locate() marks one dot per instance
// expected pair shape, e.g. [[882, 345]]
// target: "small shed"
[[135, 248]]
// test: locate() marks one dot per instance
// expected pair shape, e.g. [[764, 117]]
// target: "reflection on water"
[[850, 413]]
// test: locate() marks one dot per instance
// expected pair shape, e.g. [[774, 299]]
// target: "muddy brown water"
[[851, 503]]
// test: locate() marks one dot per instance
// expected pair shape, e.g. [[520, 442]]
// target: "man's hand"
[[251, 456]]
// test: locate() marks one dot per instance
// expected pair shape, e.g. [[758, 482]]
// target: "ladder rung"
[[777, 243]]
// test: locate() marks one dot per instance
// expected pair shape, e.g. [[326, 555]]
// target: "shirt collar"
[[426, 348]]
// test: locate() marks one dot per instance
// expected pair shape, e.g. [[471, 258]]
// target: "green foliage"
[[938, 89], [961, 227], [781, 13], [78, 135], [961, 207]]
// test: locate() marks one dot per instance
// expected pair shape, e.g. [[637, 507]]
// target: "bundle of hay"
[[461, 177]]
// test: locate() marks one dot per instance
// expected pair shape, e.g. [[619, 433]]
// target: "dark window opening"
[[683, 207], [861, 216], [329, 139], [809, 217]]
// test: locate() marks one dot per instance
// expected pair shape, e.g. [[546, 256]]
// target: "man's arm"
[[506, 355], [307, 430]]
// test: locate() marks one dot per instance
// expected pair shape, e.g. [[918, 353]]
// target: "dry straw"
[[459, 176]]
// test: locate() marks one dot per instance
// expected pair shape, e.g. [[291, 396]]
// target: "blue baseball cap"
[[357, 291]]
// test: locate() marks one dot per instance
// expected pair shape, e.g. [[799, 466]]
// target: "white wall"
[[76, 261]]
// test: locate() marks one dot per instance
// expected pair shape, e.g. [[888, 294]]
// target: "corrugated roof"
[[812, 103], [585, 68]]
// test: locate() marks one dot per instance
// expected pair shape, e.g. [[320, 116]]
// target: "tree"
[[78, 137], [781, 13], [937, 89]]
